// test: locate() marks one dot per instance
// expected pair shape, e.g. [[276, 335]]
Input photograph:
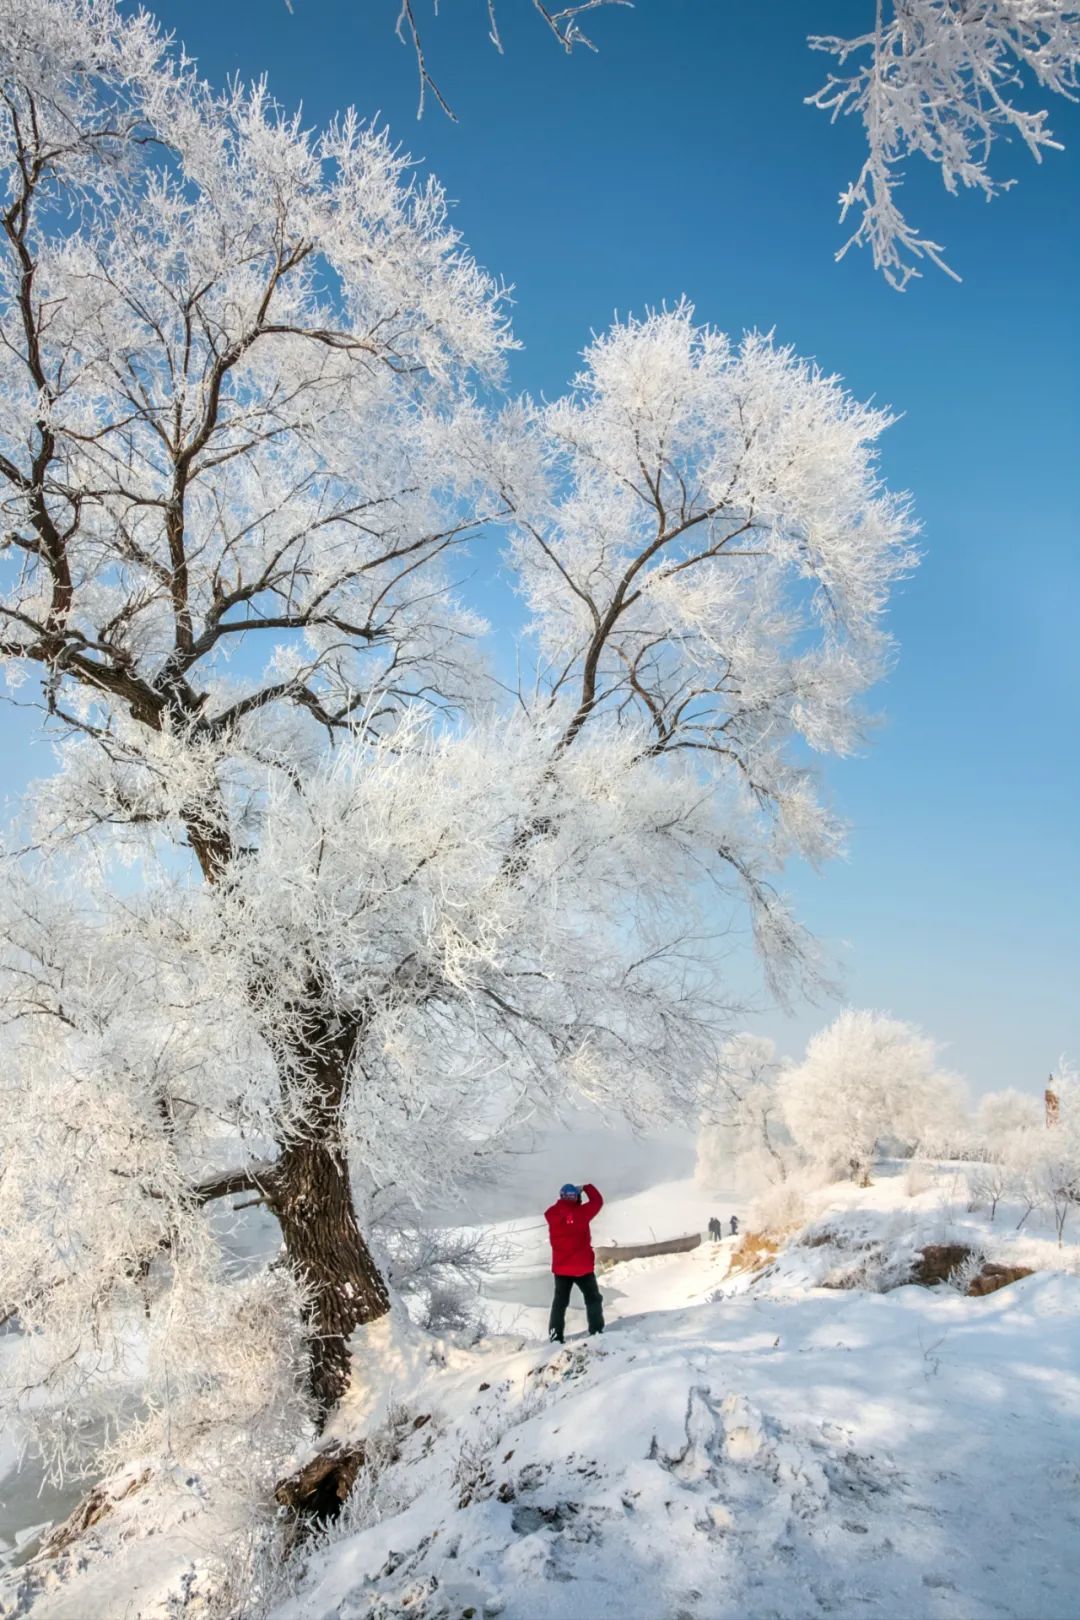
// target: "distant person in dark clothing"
[[572, 1257], [734, 1226], [716, 1231]]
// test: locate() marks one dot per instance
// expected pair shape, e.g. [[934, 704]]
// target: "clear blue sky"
[[682, 160]]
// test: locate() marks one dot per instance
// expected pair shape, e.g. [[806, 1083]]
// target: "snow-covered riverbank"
[[741, 1443]]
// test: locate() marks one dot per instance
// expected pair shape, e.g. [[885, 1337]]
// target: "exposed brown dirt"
[[938, 1261], [316, 1492], [755, 1251], [992, 1277], [818, 1240]]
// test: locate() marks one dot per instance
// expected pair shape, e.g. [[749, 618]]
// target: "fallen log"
[[612, 1254]]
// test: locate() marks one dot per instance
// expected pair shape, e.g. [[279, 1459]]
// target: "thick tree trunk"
[[308, 1188], [313, 1201]]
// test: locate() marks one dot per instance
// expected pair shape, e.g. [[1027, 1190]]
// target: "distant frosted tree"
[[865, 1077], [1006, 1126], [1047, 1158], [742, 1134], [994, 1175], [1000, 1113], [311, 906]]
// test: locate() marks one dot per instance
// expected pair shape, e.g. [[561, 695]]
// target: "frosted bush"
[[962, 1276], [782, 1207], [990, 1181], [918, 1178]]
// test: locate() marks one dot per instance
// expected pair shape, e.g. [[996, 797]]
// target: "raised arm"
[[596, 1202]]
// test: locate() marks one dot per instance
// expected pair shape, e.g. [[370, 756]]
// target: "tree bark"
[[312, 1199]]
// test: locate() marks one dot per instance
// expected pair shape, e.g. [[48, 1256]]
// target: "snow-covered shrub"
[[962, 1276], [380, 1488], [453, 1307], [473, 1479], [1005, 1134], [990, 1180], [248, 1580], [1028, 1158], [877, 1268], [439, 1270], [877, 1256], [260, 1570], [918, 1178], [784, 1206], [1051, 1171], [1025, 1187]]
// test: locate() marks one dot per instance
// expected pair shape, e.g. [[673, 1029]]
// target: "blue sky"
[[681, 159]]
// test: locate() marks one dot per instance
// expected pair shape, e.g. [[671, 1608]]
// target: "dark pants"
[[590, 1292]]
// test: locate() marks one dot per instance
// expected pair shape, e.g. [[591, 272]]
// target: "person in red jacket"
[[572, 1257]]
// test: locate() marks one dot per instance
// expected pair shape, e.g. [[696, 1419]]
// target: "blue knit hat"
[[569, 1191]]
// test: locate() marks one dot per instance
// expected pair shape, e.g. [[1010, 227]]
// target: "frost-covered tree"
[[741, 1130], [230, 353], [1006, 1126], [865, 1077], [370, 915], [945, 80], [1001, 1113], [1046, 1159]]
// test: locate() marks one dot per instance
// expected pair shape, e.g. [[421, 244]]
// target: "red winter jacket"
[[568, 1227]]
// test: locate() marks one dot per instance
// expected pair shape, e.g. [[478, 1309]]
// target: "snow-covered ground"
[[738, 1443], [846, 1454]]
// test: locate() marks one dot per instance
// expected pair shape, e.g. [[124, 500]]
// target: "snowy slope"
[[907, 1454], [539, 1161], [737, 1444]]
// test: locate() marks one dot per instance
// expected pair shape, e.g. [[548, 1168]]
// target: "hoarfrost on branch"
[[943, 80]]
